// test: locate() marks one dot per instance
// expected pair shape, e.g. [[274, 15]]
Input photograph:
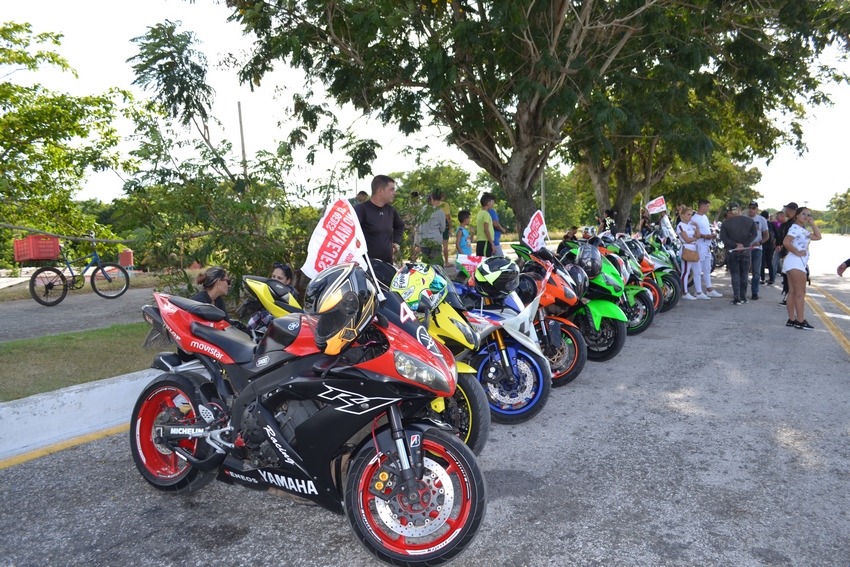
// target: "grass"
[[22, 291], [35, 366]]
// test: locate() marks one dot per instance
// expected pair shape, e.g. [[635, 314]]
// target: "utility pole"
[[242, 138]]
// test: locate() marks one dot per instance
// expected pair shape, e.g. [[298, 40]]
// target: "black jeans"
[[739, 267], [767, 264]]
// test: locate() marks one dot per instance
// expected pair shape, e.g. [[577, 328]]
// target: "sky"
[[97, 44]]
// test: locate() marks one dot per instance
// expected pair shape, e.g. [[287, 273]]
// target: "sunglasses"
[[228, 280], [278, 265]]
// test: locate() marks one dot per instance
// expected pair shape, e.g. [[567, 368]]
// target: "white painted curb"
[[44, 419]]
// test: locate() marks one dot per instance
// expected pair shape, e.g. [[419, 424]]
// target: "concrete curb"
[[46, 419]]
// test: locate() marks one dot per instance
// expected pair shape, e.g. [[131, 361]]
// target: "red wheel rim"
[[453, 525], [564, 336], [158, 460]]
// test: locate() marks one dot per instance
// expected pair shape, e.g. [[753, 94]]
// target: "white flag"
[[338, 238], [470, 263], [656, 205], [535, 233]]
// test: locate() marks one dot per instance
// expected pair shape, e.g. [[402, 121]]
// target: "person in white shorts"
[[689, 234], [797, 244], [704, 246]]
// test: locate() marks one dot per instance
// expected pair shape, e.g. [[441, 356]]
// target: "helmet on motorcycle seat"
[[338, 304], [589, 259], [579, 277], [496, 277], [607, 239], [596, 241], [636, 249], [527, 288], [534, 268], [413, 279]]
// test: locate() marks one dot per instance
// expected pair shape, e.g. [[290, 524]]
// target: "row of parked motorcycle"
[[373, 398]]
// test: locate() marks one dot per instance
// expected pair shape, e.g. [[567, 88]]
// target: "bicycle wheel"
[[48, 286], [110, 280]]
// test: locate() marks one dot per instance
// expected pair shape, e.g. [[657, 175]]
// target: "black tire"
[[640, 314], [451, 472], [110, 281], [607, 342], [519, 399], [468, 412], [171, 400], [569, 362], [48, 286], [672, 290]]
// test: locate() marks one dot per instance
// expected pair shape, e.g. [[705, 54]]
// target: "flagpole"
[[381, 297]]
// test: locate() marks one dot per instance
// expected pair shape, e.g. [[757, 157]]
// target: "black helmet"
[[589, 259], [338, 304], [579, 277], [607, 238], [527, 288], [595, 241], [635, 247], [496, 277]]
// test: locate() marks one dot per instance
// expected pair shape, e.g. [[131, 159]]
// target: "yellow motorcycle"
[[467, 410]]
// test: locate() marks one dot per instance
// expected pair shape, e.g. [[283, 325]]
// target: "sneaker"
[[735, 302], [782, 302], [755, 297], [769, 282], [689, 297], [701, 295], [713, 293], [761, 282], [791, 323], [804, 325], [745, 300]]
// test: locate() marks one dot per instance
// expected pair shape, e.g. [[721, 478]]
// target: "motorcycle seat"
[[231, 340], [205, 311]]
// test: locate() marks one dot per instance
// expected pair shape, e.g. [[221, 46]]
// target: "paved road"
[[26, 319], [718, 437]]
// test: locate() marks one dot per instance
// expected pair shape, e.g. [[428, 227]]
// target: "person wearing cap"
[[790, 214], [796, 243], [756, 255], [216, 284], [706, 235], [738, 233]]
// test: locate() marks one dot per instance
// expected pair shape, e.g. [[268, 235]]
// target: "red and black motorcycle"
[[337, 430]]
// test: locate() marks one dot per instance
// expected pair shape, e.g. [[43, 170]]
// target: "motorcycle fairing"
[[178, 323], [633, 290], [600, 308], [325, 489]]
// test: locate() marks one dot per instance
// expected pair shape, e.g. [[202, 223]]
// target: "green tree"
[[48, 140], [839, 206], [194, 198], [509, 79]]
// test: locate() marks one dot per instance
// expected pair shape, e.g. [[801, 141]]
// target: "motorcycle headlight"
[[418, 371], [469, 334]]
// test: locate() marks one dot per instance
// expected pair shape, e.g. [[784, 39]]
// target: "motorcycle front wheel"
[[519, 394], [431, 529], [569, 361], [607, 342], [640, 314], [468, 412], [672, 290], [167, 402]]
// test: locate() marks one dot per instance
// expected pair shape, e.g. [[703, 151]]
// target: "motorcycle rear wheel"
[[436, 528], [640, 314], [568, 363], [169, 401], [607, 342]]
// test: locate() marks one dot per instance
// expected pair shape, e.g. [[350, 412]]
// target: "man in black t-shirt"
[[381, 223]]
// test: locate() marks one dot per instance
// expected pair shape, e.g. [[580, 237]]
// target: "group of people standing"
[[751, 245], [694, 231]]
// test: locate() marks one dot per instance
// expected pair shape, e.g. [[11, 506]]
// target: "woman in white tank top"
[[688, 233]]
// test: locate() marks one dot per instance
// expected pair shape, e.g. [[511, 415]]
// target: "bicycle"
[[49, 286]]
